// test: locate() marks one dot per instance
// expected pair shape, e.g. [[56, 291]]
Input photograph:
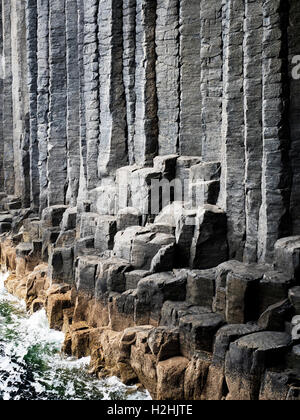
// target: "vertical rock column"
[[253, 122], [20, 102], [167, 75], [1, 103], [211, 79], [146, 124], [32, 70], [129, 38], [233, 154], [294, 49], [73, 102], [82, 122], [43, 96], [91, 89], [274, 213], [190, 137], [57, 133], [113, 130], [8, 152]]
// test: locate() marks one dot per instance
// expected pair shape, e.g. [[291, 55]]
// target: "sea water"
[[32, 366]]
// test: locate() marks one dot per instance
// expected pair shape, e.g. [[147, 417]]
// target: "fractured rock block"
[[166, 165], [201, 287], [145, 248], [106, 230], [104, 199], [164, 342], [172, 312], [247, 360], [273, 288], [127, 217], [146, 245], [56, 304], [84, 246], [170, 378], [69, 220], [287, 256], [110, 276], [88, 224], [61, 262], [294, 297], [196, 376], [197, 332], [227, 335], [276, 316], [154, 290], [85, 274], [32, 230], [123, 242], [52, 216], [241, 302], [5, 227], [204, 185], [222, 271], [144, 189], [133, 278], [209, 246]]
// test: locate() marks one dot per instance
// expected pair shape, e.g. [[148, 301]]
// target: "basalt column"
[[82, 121], [253, 122], [129, 42], [294, 49], [233, 159], [57, 133], [274, 213], [43, 96], [1, 103], [168, 73], [211, 54], [32, 70], [190, 137], [8, 152], [91, 89], [21, 128], [146, 123], [73, 102], [113, 135]]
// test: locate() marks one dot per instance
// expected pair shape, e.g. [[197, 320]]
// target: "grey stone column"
[[294, 49], [43, 96], [113, 130], [82, 121], [57, 133], [73, 102], [253, 122], [8, 153], [129, 38], [1, 103], [274, 213], [146, 123], [20, 102], [168, 75], [232, 197], [211, 52], [32, 70], [91, 89], [190, 74]]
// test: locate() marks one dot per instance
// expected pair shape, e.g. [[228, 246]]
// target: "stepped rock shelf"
[[149, 169]]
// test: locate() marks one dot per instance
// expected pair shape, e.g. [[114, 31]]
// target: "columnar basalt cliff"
[[150, 178]]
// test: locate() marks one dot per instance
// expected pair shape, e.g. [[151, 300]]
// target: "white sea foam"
[[32, 366]]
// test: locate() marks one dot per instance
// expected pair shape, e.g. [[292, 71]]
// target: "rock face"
[[149, 187]]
